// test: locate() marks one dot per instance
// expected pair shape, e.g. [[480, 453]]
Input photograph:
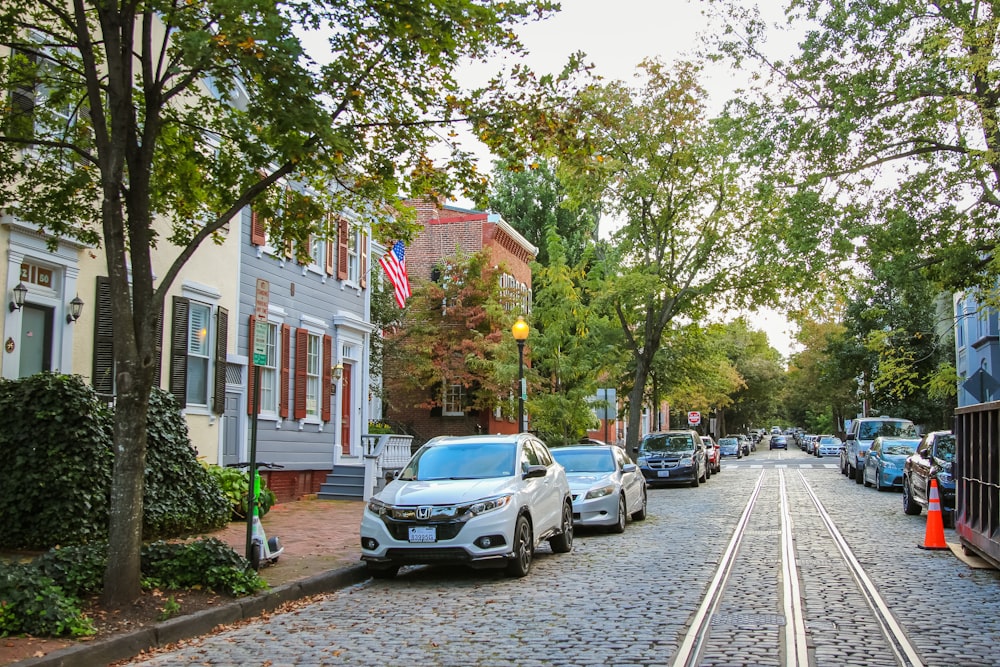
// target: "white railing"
[[386, 452]]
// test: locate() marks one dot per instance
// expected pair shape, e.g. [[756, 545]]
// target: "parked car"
[[884, 462], [483, 501], [863, 432], [712, 455], [933, 459], [745, 444], [607, 487], [729, 446], [829, 445], [779, 442], [672, 457]]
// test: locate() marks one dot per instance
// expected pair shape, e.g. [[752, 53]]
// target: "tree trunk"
[[122, 579], [635, 406]]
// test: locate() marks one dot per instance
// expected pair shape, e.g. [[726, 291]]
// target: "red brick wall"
[[290, 485]]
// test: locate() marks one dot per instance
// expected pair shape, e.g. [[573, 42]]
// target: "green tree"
[[888, 116], [692, 236], [148, 125], [532, 200], [819, 394], [760, 367], [455, 333]]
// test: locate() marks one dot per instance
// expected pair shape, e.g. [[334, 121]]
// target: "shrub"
[[181, 497], [234, 483], [209, 563], [55, 444], [31, 603]]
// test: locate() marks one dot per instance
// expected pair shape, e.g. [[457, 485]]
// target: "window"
[[451, 404], [199, 353], [197, 369], [269, 371], [353, 250], [317, 250], [313, 358]]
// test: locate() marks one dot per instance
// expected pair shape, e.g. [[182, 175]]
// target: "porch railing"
[[384, 453]]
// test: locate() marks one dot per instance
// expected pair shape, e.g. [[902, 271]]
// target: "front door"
[[36, 339], [231, 429], [345, 410]]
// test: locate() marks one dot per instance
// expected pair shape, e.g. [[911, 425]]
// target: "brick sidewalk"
[[317, 535]]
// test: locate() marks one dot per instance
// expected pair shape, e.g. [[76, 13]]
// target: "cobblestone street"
[[630, 599]]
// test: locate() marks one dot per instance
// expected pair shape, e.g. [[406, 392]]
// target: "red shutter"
[[257, 231], [330, 258], [326, 388], [364, 261], [250, 383], [286, 351], [343, 227], [301, 350]]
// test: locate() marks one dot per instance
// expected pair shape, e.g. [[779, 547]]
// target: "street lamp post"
[[520, 332]]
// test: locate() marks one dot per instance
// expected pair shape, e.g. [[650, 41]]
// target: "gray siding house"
[[314, 382]]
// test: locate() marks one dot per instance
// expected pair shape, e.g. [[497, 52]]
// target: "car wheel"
[[640, 514], [619, 526], [910, 506], [708, 472], [843, 467], [864, 476], [694, 482], [563, 542], [521, 563], [859, 475], [878, 480], [382, 571]]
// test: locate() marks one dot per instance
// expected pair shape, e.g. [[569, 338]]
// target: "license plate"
[[663, 473], [423, 534]]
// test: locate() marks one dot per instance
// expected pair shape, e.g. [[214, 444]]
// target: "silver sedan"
[[606, 486]]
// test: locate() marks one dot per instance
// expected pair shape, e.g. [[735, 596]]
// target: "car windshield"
[[830, 441], [889, 429], [582, 460], [728, 442], [667, 443], [461, 461], [944, 448], [902, 448]]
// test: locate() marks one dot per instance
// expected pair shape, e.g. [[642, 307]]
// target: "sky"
[[616, 36]]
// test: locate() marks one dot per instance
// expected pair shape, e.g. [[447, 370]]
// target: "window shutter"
[[330, 222], [258, 235], [342, 240], [158, 350], [286, 351], [221, 344], [301, 352], [178, 349], [251, 385], [103, 376], [326, 385], [364, 261]]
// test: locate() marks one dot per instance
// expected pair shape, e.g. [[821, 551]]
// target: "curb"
[[132, 644]]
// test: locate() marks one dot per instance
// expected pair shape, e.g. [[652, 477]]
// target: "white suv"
[[482, 501]]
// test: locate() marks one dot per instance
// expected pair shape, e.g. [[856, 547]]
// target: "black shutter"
[[103, 376], [221, 344], [178, 350]]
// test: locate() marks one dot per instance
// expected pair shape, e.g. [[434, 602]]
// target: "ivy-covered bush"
[[44, 597], [181, 497], [55, 447], [234, 483]]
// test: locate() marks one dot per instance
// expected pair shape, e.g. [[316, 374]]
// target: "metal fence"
[[977, 479]]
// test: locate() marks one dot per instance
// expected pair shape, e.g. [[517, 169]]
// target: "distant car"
[[712, 454], [672, 457], [829, 445], [607, 487], [730, 447], [884, 462], [745, 443], [482, 501], [933, 459], [864, 430], [779, 442]]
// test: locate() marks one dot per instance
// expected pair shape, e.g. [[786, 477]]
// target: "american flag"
[[394, 263]]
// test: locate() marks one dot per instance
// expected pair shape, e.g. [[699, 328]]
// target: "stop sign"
[[694, 418]]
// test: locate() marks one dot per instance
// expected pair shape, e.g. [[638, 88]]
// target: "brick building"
[[446, 230]]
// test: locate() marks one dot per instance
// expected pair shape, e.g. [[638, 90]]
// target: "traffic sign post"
[[261, 307], [694, 418]]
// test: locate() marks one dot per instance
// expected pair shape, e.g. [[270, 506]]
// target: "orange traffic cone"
[[934, 538]]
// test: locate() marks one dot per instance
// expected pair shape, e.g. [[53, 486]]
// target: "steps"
[[343, 483]]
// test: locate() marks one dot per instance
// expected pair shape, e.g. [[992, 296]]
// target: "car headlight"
[[642, 460], [685, 462], [489, 505], [944, 477], [601, 492], [377, 507], [889, 465]]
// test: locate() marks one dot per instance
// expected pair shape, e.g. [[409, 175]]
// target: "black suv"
[[932, 460]]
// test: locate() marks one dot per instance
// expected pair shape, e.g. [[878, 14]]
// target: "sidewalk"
[[322, 553]]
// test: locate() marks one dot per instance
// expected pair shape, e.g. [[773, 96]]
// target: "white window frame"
[[200, 353], [452, 400], [270, 372], [314, 384]]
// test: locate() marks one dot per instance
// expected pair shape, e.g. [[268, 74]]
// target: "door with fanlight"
[[36, 339]]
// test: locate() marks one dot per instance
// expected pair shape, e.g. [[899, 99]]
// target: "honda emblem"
[[424, 512]]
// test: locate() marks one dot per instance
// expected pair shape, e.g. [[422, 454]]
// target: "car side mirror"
[[535, 471], [629, 467]]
